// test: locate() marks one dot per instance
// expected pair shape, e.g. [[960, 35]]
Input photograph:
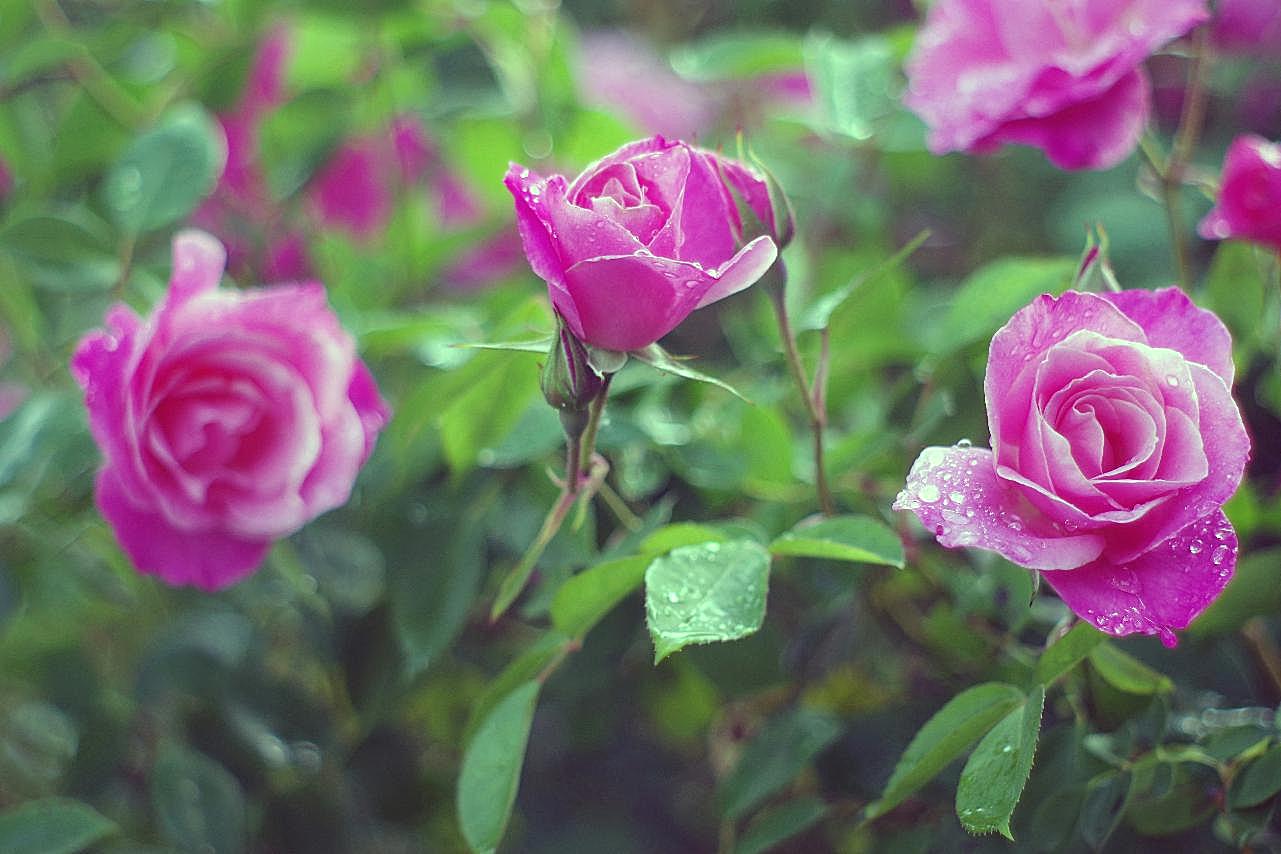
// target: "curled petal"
[[1170, 319], [957, 495], [1159, 591]]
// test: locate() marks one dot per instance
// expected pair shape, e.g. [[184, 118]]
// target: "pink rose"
[[227, 419], [1249, 206], [1115, 442], [1064, 77], [1247, 26], [641, 238]]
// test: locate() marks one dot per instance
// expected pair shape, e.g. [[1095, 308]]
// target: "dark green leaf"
[[1257, 782], [52, 826], [1105, 801], [776, 754], [528, 665], [780, 824], [198, 803], [961, 722], [705, 593], [164, 173], [491, 766], [996, 772], [583, 600], [860, 539], [1066, 652]]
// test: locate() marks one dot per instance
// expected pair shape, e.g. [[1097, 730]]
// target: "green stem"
[[1185, 138], [814, 398], [594, 410]]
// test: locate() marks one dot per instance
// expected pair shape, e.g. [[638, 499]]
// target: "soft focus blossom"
[[227, 419], [1249, 205], [640, 239], [1064, 77], [1247, 26], [1115, 443], [6, 180]]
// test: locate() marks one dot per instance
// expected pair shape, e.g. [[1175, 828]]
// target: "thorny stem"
[[814, 397]]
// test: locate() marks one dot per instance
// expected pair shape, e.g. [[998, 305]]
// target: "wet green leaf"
[[859, 539], [993, 778]]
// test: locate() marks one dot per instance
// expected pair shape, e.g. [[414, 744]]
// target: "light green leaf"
[[491, 767], [528, 665], [198, 803], [996, 772], [537, 345], [52, 826], [773, 758], [164, 173], [860, 539], [680, 534], [1126, 673], [582, 601], [738, 55], [659, 359], [856, 83], [990, 296], [819, 314], [961, 722], [61, 255], [705, 593], [1066, 652]]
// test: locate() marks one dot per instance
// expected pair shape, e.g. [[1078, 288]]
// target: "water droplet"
[[957, 497], [1219, 554], [965, 443], [929, 493], [673, 598], [1007, 748], [1172, 381], [1196, 547], [535, 190]]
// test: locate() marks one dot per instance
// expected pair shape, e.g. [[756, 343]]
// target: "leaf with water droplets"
[[659, 359], [860, 539], [705, 593], [961, 722], [996, 772]]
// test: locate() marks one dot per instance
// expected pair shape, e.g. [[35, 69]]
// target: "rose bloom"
[[227, 419], [1115, 443], [642, 238], [1249, 205], [1062, 76]]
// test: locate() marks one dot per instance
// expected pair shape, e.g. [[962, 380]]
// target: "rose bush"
[[227, 419], [1064, 77], [1249, 203], [1115, 442], [642, 238]]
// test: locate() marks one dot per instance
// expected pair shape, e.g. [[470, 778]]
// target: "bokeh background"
[[322, 705]]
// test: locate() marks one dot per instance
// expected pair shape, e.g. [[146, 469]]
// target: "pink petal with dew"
[[536, 239], [956, 494], [700, 226], [1161, 590], [209, 560], [1170, 319]]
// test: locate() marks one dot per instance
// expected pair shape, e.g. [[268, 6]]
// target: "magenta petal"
[[956, 493], [742, 271], [370, 406], [209, 560], [198, 262], [626, 302], [629, 151], [536, 237], [1161, 590], [1170, 319]]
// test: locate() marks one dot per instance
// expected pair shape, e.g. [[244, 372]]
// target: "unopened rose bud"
[[569, 383]]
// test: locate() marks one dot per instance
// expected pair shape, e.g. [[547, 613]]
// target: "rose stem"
[[1185, 138], [585, 472], [814, 398]]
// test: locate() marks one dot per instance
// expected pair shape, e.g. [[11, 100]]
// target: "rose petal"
[[1170, 319], [373, 411], [1160, 590], [741, 271], [536, 238], [209, 560], [627, 152], [700, 227], [956, 494]]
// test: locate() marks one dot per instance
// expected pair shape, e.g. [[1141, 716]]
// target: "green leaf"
[[1257, 782], [164, 173], [819, 314], [860, 539], [198, 803], [1104, 804], [659, 359], [1066, 652], [483, 413], [61, 255], [1125, 672], [298, 137], [1252, 592], [989, 296], [856, 83], [491, 766], [526, 666], [961, 722], [606, 361], [537, 345], [705, 593], [52, 826], [582, 601], [781, 749], [738, 55], [680, 534], [780, 824], [997, 770]]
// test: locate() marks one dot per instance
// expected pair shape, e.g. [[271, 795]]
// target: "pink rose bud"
[[1249, 206], [1115, 443], [227, 419], [568, 381], [637, 241], [1063, 77]]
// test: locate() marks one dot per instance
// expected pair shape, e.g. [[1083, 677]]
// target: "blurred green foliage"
[[354, 696]]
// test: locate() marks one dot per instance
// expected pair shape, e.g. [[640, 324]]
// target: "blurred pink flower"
[[1065, 78], [1249, 204], [485, 263], [6, 180], [1247, 26], [227, 419], [1115, 443]]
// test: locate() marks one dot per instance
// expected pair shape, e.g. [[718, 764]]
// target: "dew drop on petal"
[[929, 493], [1196, 547]]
